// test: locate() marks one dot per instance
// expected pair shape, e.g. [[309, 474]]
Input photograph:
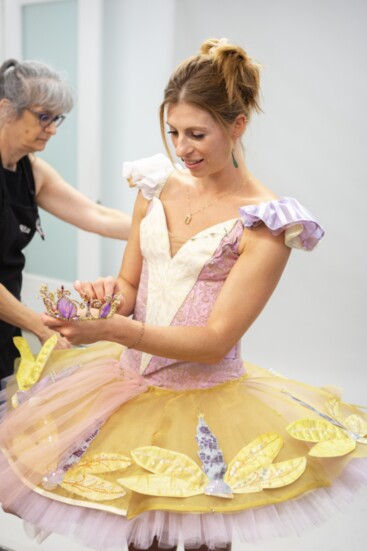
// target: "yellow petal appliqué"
[[333, 448], [356, 425], [103, 463], [30, 368], [259, 453], [168, 463], [161, 485], [314, 430], [275, 476], [332, 407], [91, 487]]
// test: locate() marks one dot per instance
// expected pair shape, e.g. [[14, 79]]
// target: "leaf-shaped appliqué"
[[259, 453], [356, 425], [91, 487], [161, 485], [332, 407], [103, 463], [274, 476], [169, 463], [334, 447], [314, 430], [30, 368]]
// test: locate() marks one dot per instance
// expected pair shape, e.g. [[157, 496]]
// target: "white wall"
[[138, 42]]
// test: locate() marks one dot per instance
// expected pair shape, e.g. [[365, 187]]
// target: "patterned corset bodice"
[[181, 290]]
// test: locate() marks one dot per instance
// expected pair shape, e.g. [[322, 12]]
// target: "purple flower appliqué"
[[212, 459]]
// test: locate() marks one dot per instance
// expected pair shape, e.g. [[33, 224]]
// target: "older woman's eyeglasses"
[[45, 120]]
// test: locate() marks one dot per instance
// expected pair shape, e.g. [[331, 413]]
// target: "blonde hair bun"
[[240, 73]]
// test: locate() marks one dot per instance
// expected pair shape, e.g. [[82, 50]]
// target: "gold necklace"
[[190, 214]]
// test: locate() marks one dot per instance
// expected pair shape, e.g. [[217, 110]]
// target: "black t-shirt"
[[19, 220]]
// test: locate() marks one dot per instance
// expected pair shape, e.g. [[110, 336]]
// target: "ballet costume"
[[114, 446]]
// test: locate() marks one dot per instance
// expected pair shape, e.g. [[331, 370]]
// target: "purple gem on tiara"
[[66, 308], [105, 310]]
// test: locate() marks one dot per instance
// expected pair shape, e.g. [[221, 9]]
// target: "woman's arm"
[[56, 196], [15, 313], [244, 294]]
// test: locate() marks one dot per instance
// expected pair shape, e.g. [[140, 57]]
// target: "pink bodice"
[[193, 311], [181, 290]]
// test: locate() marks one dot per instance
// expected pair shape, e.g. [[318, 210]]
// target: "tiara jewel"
[[59, 305]]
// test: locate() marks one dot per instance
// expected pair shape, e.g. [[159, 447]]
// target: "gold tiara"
[[59, 305]]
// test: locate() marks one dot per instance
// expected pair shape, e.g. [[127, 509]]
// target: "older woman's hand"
[[62, 342]]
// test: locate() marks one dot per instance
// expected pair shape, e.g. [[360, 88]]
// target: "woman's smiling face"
[[199, 140]]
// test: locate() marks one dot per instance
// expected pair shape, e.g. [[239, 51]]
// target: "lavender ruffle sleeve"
[[288, 215]]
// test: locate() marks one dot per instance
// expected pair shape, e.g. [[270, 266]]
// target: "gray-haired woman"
[[33, 103]]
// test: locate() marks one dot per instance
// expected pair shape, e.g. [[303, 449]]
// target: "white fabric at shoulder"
[[149, 175]]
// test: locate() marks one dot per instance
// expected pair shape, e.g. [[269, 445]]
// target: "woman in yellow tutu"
[[160, 434]]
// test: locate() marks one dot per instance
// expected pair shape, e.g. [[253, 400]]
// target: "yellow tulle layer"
[[159, 427]]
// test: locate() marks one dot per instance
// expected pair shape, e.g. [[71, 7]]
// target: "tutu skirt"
[[96, 452]]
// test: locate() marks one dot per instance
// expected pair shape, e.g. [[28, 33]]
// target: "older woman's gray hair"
[[32, 83]]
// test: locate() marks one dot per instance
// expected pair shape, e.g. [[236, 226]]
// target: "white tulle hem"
[[105, 531]]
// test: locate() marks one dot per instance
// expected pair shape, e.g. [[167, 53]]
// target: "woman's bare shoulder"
[[176, 181], [258, 193]]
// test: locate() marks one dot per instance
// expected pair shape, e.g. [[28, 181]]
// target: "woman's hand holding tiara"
[[78, 332]]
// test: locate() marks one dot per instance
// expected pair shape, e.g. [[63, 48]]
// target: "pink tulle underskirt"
[[106, 531]]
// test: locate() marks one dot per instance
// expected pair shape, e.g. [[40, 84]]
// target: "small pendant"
[[188, 219]]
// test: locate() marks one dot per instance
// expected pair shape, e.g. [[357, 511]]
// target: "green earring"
[[234, 160]]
